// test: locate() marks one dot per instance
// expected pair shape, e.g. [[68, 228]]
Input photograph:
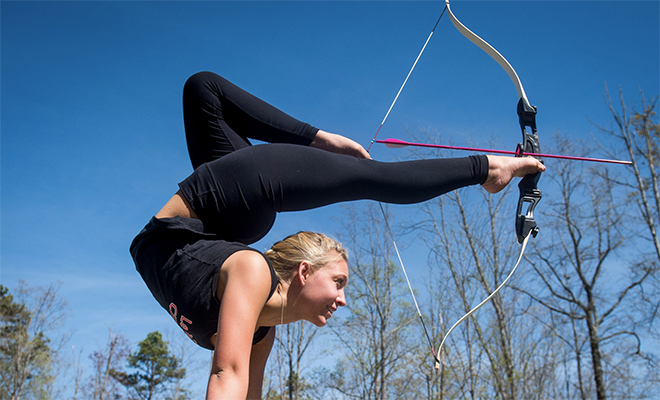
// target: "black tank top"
[[180, 262]]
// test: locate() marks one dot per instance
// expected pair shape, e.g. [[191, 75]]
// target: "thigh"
[[241, 193]]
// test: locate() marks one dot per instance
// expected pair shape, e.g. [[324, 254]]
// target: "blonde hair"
[[315, 248]]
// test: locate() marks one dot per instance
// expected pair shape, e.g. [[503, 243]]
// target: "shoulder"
[[247, 269], [246, 261]]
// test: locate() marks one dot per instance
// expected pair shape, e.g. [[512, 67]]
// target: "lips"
[[330, 311]]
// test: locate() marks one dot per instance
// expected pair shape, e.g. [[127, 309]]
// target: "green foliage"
[[154, 368], [25, 356]]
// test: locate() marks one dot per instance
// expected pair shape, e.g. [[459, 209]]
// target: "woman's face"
[[324, 291]]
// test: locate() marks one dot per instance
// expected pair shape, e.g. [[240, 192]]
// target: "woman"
[[194, 255]]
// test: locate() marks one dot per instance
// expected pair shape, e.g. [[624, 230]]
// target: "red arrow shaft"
[[401, 143]]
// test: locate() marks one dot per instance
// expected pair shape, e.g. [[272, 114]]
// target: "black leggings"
[[220, 117], [237, 189]]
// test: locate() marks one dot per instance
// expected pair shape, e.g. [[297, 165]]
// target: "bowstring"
[[387, 114], [412, 292], [387, 224]]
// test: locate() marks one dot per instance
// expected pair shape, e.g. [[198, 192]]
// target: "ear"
[[304, 270]]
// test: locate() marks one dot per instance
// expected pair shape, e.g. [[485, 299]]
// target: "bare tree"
[[105, 361], [637, 133], [77, 371], [376, 353], [472, 253], [296, 339], [579, 271], [292, 359]]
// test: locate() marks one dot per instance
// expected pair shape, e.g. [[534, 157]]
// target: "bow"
[[530, 195]]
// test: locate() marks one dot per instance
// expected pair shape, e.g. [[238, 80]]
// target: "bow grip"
[[530, 196]]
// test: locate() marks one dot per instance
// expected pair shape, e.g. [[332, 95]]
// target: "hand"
[[502, 169], [338, 144]]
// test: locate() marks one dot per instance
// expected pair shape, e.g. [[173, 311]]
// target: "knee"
[[200, 79], [205, 86]]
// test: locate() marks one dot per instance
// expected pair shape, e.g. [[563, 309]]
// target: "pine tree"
[[154, 368]]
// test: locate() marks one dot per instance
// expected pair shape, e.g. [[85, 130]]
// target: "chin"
[[320, 322]]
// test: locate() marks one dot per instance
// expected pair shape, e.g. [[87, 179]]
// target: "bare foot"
[[502, 169], [338, 144]]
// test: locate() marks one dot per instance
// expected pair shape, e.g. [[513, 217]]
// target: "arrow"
[[396, 143]]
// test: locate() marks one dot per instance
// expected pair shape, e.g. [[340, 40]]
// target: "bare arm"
[[258, 359], [245, 272]]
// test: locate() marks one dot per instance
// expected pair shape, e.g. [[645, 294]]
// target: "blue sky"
[[91, 127]]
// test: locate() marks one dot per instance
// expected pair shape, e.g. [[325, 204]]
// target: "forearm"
[[258, 360]]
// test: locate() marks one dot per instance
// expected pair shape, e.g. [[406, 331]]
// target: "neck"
[[277, 309]]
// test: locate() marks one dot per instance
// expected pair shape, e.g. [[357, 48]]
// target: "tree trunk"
[[594, 342]]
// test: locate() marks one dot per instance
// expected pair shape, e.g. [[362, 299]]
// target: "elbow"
[[227, 383]]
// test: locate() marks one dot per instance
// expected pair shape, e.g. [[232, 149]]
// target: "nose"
[[341, 299]]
